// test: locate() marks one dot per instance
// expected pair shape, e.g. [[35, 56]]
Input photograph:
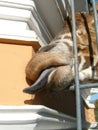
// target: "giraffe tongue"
[[40, 83]]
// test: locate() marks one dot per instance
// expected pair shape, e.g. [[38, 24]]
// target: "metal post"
[[86, 86], [78, 99]]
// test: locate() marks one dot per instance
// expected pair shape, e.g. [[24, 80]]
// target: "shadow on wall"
[[63, 101]]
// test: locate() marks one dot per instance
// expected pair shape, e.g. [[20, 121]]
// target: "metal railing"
[[78, 86], [78, 101]]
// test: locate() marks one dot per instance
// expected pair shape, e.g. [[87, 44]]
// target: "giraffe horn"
[[40, 83]]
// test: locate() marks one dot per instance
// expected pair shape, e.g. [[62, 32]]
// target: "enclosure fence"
[[78, 86]]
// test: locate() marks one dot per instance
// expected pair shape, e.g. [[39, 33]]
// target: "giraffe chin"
[[40, 83]]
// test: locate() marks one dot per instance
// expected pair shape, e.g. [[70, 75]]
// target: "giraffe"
[[52, 67]]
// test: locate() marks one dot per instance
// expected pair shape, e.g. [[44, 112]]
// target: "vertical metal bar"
[[95, 19], [78, 99]]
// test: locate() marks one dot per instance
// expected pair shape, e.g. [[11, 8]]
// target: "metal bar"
[[95, 19], [85, 86], [78, 99]]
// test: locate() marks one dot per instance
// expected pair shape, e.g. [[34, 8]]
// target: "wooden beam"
[[35, 44]]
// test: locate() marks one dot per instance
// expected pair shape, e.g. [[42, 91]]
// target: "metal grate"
[[78, 86]]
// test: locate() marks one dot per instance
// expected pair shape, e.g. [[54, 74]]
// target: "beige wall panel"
[[13, 60]]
